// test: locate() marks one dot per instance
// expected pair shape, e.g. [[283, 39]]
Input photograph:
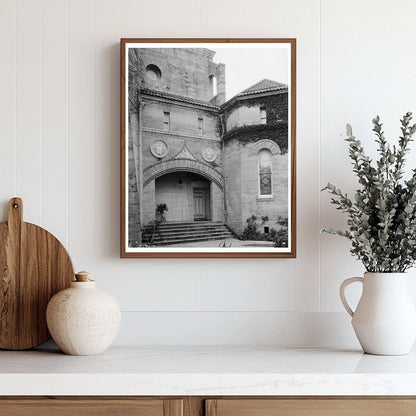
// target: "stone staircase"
[[188, 232]]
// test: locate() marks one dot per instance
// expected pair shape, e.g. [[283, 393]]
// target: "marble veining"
[[211, 370]]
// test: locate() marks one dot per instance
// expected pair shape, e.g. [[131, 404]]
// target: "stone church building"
[[210, 160]]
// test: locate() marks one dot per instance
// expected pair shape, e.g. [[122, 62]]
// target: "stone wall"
[[251, 134], [243, 116], [184, 153], [149, 202], [232, 176], [243, 139], [275, 104], [242, 187], [133, 198], [183, 119], [175, 190], [232, 185], [252, 204], [217, 203], [133, 218], [184, 71]]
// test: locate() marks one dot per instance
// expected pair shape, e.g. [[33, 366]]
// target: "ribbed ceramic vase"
[[83, 320], [385, 318]]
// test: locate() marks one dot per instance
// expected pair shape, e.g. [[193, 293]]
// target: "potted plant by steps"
[[160, 211], [382, 231]]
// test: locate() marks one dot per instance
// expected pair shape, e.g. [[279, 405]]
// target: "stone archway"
[[265, 144], [184, 165], [186, 194]]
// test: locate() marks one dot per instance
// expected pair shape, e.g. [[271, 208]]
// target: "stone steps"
[[189, 223], [169, 231], [195, 224], [191, 240], [177, 233], [194, 237], [191, 233]]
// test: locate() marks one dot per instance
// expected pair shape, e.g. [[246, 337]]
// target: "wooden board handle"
[[15, 212], [14, 224], [34, 266]]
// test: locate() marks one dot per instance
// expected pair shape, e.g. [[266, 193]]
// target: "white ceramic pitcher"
[[385, 318]]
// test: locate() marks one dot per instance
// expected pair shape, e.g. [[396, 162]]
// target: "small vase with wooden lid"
[[83, 320]]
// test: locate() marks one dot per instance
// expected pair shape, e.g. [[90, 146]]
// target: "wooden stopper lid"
[[82, 277]]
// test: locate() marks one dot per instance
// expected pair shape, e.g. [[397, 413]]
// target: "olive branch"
[[382, 215]]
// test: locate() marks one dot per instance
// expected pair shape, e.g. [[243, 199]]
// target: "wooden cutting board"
[[34, 266]]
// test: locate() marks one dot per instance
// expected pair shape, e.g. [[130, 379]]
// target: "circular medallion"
[[159, 149], [209, 153]]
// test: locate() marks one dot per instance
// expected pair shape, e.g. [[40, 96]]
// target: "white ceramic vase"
[[82, 319], [385, 318]]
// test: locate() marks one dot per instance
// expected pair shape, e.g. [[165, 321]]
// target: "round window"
[[153, 72]]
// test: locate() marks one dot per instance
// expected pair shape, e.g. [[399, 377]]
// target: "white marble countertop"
[[208, 371]]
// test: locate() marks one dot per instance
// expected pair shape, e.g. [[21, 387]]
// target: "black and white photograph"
[[208, 148]]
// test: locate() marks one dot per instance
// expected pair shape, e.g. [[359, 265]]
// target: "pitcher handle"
[[342, 288]]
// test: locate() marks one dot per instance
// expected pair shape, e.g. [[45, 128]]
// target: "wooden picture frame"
[[203, 174]]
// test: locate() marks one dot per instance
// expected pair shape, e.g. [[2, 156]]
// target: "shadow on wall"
[[107, 145]]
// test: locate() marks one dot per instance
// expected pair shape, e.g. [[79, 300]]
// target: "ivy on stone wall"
[[251, 134], [276, 106], [276, 129]]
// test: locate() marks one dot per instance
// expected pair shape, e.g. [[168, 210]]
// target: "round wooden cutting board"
[[34, 266]]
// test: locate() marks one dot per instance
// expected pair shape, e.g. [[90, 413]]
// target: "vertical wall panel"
[[7, 103], [59, 121], [299, 278], [367, 69], [28, 107], [139, 284], [264, 285], [115, 21], [55, 117], [238, 328], [82, 151]]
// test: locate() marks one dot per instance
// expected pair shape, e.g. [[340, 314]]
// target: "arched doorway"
[[186, 194]]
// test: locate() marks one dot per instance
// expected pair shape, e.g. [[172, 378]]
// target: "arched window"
[[213, 80], [263, 115], [265, 172]]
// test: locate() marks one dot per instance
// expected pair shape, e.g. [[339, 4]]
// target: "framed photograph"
[[208, 131]]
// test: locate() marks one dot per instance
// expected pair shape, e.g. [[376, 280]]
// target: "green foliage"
[[280, 238], [151, 231], [161, 208], [382, 215], [251, 232], [160, 211], [283, 221]]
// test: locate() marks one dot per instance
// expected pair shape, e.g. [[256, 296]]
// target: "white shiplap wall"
[[59, 121]]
